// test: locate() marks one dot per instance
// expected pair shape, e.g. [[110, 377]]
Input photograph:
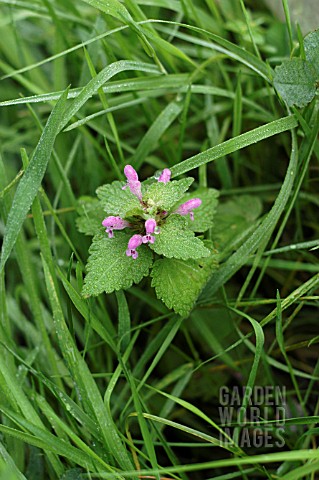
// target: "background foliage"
[[119, 386]]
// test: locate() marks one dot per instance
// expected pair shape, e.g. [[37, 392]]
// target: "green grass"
[[118, 386]]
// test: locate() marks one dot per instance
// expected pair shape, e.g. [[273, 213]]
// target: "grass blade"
[[32, 178], [236, 143]]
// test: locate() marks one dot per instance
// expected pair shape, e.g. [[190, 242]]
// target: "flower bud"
[[188, 207], [165, 176]]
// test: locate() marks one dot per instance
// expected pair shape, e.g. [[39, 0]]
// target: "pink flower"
[[133, 243], [165, 176], [130, 173], [132, 181], [188, 207], [150, 226], [114, 223]]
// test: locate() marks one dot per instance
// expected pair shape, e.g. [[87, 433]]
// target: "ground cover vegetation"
[[181, 343]]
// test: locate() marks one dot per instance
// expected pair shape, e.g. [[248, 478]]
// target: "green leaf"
[[109, 268], [32, 178], [178, 283], [165, 195], [295, 81], [116, 201], [311, 46], [203, 215], [233, 220], [175, 240], [91, 216]]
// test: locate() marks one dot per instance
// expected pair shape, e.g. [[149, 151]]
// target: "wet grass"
[[118, 386]]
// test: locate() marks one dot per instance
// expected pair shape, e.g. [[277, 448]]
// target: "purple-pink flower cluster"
[[150, 225]]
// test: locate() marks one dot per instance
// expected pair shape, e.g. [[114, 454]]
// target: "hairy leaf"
[[116, 201], [311, 46], [109, 268], [295, 80], [178, 283], [175, 240], [165, 195], [91, 216], [233, 220]]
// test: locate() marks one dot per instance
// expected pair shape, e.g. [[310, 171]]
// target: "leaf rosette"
[[150, 225]]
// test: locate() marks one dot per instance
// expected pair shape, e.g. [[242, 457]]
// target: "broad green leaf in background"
[[91, 216], [116, 201], [32, 178], [203, 215], [311, 46], [165, 195], [175, 240], [109, 268], [233, 220], [295, 80], [178, 283]]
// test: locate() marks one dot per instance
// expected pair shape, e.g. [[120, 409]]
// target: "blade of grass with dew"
[[281, 343], [210, 339], [290, 456], [158, 344], [84, 379], [124, 319], [232, 145], [238, 259], [119, 11], [20, 402], [300, 472], [80, 444], [42, 440], [106, 333], [221, 45], [183, 379], [260, 339], [56, 160], [26, 267], [157, 85], [156, 130], [146, 434], [305, 151], [97, 82], [31, 180], [105, 105], [8, 466], [196, 411], [191, 431], [68, 404], [118, 371]]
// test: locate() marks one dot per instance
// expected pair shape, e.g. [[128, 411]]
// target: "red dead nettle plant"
[[150, 229]]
